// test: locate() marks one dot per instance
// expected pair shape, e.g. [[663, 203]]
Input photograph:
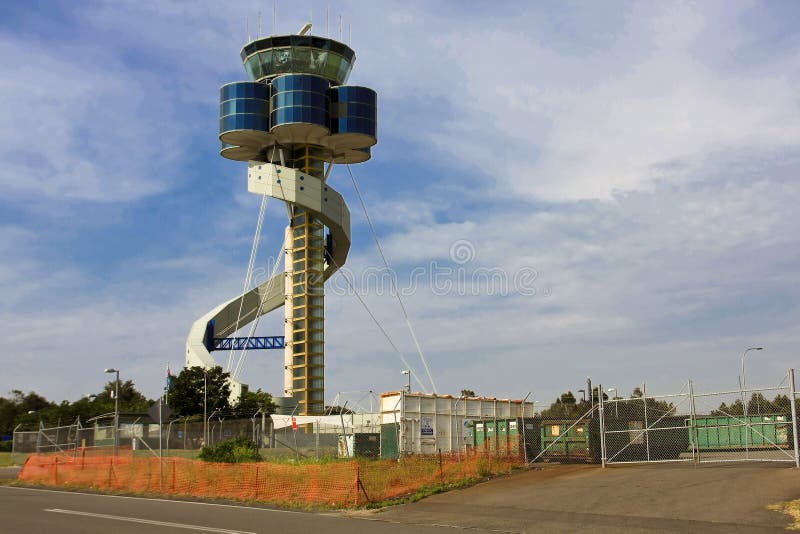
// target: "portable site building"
[[418, 423]]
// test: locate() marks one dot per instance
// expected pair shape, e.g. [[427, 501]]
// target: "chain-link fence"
[[746, 425], [647, 428], [737, 425], [278, 437], [740, 424], [565, 439], [64, 440]]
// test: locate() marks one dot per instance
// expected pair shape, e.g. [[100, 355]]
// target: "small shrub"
[[238, 449], [484, 467]]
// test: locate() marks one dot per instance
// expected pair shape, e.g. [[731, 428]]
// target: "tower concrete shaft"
[[304, 311]]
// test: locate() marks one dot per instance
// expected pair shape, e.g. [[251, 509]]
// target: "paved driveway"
[[652, 498]]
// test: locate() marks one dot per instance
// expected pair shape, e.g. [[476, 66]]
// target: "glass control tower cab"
[[291, 122]]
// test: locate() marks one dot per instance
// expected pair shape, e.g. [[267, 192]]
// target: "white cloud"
[[82, 130], [555, 126]]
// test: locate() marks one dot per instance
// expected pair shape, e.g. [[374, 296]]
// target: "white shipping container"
[[430, 423]]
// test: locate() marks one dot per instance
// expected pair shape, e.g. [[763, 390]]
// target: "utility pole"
[[205, 408], [116, 409]]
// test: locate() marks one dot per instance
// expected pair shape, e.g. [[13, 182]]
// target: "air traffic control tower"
[[291, 123]]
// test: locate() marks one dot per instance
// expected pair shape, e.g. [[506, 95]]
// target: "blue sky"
[[640, 159]]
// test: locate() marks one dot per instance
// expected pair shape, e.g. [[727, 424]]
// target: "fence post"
[[173, 475], [792, 393], [646, 423], [524, 435], [693, 423], [602, 424], [358, 480], [14, 446], [55, 471], [441, 472]]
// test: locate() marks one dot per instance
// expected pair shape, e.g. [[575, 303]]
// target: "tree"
[[130, 399], [252, 401], [30, 402], [782, 404], [467, 393], [15, 410], [187, 390], [567, 398], [566, 406], [755, 406]]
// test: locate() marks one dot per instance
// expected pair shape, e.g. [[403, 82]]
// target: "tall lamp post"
[[208, 435], [616, 402], [744, 381], [744, 402], [408, 373], [205, 407], [116, 409]]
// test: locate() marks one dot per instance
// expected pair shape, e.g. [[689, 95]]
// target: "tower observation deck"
[[291, 122]]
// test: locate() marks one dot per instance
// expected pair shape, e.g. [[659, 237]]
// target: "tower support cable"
[[248, 278], [273, 276], [391, 279], [381, 328]]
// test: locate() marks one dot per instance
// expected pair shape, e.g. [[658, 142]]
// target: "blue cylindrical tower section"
[[300, 108], [353, 119], [244, 115]]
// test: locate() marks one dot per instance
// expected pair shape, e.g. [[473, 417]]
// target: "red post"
[[110, 469], [357, 481], [258, 483], [55, 471]]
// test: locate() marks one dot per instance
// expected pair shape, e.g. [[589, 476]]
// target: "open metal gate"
[[741, 425]]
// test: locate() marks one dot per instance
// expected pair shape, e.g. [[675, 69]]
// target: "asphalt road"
[[577, 498], [37, 511], [639, 499]]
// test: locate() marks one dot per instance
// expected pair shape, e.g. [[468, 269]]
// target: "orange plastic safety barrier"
[[338, 484]]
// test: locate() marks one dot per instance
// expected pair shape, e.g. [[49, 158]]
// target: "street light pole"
[[116, 409], [744, 381], [208, 444], [205, 407], [253, 420], [744, 403], [407, 372], [616, 402]]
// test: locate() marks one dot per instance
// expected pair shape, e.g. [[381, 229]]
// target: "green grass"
[[280, 456], [177, 453], [5, 459]]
